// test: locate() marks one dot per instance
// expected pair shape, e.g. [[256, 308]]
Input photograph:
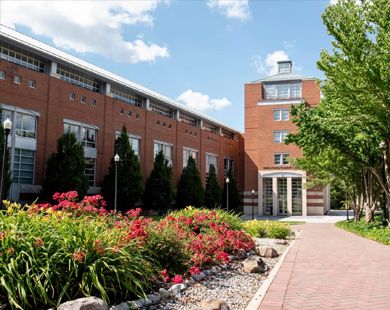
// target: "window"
[[209, 128], [164, 124], [88, 137], [23, 172], [125, 97], [71, 96], [72, 129], [78, 80], [158, 123], [195, 134], [22, 60], [18, 79], [268, 196], [25, 125], [227, 134], [2, 75], [137, 116], [281, 159], [32, 84], [228, 164], [136, 146], [280, 136], [129, 114], [188, 120], [170, 126], [187, 152], [211, 160], [281, 114], [284, 67], [282, 91], [83, 100], [167, 149], [160, 110], [186, 132], [90, 164], [93, 103], [121, 111]]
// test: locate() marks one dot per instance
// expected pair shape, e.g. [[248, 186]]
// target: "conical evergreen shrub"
[[213, 191], [234, 193]]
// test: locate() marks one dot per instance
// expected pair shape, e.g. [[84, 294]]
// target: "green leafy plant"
[[234, 193]]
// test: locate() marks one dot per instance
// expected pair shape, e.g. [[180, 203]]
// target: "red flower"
[[178, 279], [78, 256]]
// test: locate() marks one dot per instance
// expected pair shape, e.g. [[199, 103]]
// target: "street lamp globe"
[[227, 180], [7, 124], [116, 158], [253, 191]]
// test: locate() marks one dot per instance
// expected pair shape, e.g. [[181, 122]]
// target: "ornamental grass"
[[50, 254], [267, 229]]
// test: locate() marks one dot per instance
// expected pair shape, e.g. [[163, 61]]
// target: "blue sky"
[[202, 52]]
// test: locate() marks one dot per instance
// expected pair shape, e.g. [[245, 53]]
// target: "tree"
[[190, 191], [159, 190], [234, 193], [65, 169], [213, 191], [129, 177], [8, 174]]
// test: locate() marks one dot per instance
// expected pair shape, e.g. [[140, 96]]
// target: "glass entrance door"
[[297, 196], [268, 196], [282, 196]]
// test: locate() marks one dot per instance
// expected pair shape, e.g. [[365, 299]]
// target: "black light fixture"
[[382, 145], [7, 129], [227, 194], [116, 160]]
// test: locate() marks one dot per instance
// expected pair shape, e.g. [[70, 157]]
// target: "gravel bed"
[[230, 283]]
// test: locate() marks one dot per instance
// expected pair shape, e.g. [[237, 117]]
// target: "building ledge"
[[281, 101]]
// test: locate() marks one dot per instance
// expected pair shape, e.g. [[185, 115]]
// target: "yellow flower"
[[59, 213], [10, 210]]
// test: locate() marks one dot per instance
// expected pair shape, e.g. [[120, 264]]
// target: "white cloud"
[[289, 44], [269, 65], [140, 36], [231, 8], [202, 102], [88, 26]]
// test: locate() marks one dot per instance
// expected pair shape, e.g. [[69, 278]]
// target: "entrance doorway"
[[282, 196], [297, 196]]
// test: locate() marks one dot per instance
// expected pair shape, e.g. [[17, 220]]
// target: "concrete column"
[[176, 114], [260, 201], [147, 103], [108, 88], [53, 69], [218, 130], [275, 195], [235, 137], [200, 123], [289, 196], [304, 195]]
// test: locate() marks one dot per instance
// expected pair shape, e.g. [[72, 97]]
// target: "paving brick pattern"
[[329, 268]]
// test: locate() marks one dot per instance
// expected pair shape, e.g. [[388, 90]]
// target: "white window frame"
[[83, 100], [208, 163], [276, 89], [164, 146], [282, 67], [32, 84], [93, 102], [81, 125], [131, 139], [280, 114], [22, 60], [72, 96], [17, 79], [230, 165], [22, 163], [2, 75], [186, 155], [283, 160], [280, 135]]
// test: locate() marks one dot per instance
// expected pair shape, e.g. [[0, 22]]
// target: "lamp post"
[[382, 146], [7, 129], [346, 200], [227, 194], [253, 203], [116, 160]]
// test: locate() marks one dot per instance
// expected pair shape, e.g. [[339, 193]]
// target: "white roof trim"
[[53, 52], [212, 154], [281, 101], [130, 135], [163, 143], [81, 124], [190, 149]]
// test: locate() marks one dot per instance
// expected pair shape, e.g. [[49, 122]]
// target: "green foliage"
[[8, 174], [213, 191], [129, 176], [337, 195], [234, 193], [231, 218], [268, 229], [190, 191], [65, 169], [159, 190], [374, 230], [38, 259]]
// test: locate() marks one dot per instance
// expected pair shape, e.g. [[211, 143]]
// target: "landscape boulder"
[[267, 251], [122, 306], [253, 265], [280, 241], [214, 304], [198, 277], [87, 303]]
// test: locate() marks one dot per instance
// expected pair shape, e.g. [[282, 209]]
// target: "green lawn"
[[374, 231], [293, 223]]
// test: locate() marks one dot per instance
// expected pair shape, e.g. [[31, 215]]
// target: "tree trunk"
[[369, 214]]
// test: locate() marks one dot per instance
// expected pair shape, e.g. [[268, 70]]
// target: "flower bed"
[[267, 229], [50, 254]]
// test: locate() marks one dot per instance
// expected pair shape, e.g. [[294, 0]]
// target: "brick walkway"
[[329, 268]]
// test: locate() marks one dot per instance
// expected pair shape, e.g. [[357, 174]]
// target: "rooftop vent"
[[284, 66]]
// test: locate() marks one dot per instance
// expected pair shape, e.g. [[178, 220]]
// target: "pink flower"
[[78, 256], [39, 242], [178, 279]]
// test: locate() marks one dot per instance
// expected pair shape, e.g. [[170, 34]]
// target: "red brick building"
[[278, 187], [46, 91]]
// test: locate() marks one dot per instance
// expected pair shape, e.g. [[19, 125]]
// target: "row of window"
[[164, 124], [129, 113], [18, 79], [78, 80], [190, 132], [72, 96], [22, 60], [282, 91], [117, 94]]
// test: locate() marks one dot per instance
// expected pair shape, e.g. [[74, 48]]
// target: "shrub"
[[213, 191], [190, 190], [159, 191], [65, 169], [234, 193], [129, 175], [50, 254], [267, 229]]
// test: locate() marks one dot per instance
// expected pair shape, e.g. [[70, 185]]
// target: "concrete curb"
[[257, 299]]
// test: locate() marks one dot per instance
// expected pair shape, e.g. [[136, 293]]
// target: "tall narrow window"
[[280, 136], [211, 159], [187, 152], [135, 145], [281, 114], [25, 125], [268, 196], [88, 137], [228, 164], [90, 170], [23, 172], [167, 149], [281, 159]]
